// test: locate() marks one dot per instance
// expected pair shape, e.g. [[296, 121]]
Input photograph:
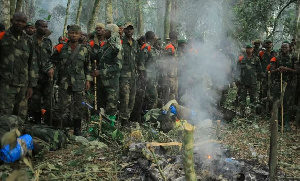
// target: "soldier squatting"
[[133, 76]]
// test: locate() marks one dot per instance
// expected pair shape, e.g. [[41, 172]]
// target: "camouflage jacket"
[[265, 58], [94, 47], [170, 61], [286, 61], [129, 63], [110, 60], [147, 60], [18, 65], [43, 53], [75, 73], [250, 70]]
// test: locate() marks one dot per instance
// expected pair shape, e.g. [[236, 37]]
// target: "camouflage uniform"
[[110, 64], [18, 71], [44, 87], [72, 76], [286, 61], [250, 70], [265, 58], [128, 78], [147, 63], [170, 73]]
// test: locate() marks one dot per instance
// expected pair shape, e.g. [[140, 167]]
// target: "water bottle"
[[11, 155]]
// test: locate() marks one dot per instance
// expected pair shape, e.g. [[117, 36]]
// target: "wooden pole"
[[273, 142], [95, 84], [281, 100], [188, 152]]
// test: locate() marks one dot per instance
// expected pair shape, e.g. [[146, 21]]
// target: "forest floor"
[[239, 149]]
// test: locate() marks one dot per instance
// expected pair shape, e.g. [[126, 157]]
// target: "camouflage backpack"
[[10, 122], [55, 137]]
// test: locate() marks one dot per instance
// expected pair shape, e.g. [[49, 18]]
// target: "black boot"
[[77, 127], [37, 118]]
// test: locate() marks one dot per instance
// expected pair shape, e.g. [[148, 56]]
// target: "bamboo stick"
[[188, 152]]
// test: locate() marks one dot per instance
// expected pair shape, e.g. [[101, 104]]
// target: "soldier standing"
[[18, 69], [74, 68], [170, 69], [256, 48], [128, 74], [108, 71], [265, 57], [250, 70], [43, 90], [98, 41], [284, 64]]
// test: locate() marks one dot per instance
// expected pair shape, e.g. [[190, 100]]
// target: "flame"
[[208, 157]]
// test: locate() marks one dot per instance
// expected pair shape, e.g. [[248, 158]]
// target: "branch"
[[278, 15]]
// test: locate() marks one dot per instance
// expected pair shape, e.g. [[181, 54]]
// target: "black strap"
[[72, 56]]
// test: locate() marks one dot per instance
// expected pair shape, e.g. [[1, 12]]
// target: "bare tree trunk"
[[167, 18], [93, 17], [31, 10], [66, 19], [273, 142], [19, 5], [174, 16], [12, 7], [140, 19], [5, 13], [109, 13], [79, 11]]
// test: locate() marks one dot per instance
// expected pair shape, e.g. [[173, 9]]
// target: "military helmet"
[[74, 27], [249, 46]]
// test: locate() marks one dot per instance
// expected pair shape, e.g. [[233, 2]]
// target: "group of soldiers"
[[263, 73], [116, 65], [127, 76]]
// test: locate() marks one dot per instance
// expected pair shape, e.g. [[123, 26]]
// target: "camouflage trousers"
[[151, 95], [42, 93], [68, 100], [244, 89], [127, 96], [13, 100], [263, 88], [169, 89], [108, 94]]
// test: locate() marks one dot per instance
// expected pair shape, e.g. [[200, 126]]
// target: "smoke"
[[207, 70]]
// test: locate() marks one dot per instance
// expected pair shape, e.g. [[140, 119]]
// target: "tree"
[[167, 18], [140, 19], [173, 17], [109, 13], [12, 7], [79, 11], [66, 19], [19, 5], [93, 17], [5, 13]]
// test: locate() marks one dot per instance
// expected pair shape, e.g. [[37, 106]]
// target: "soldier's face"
[[129, 31], [30, 30], [249, 50], [74, 36], [19, 23], [107, 34], [257, 45], [269, 45], [285, 48], [99, 31], [42, 28], [121, 30]]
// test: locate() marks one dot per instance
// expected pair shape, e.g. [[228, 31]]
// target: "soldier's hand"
[[95, 73], [29, 92], [87, 85], [51, 73]]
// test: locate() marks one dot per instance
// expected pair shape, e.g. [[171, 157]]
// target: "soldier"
[[256, 49], [98, 41], [2, 27], [265, 57], [121, 30], [73, 65], [170, 69], [284, 64], [148, 70], [18, 69], [108, 70], [128, 74], [61, 42], [30, 29], [43, 90], [250, 70]]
